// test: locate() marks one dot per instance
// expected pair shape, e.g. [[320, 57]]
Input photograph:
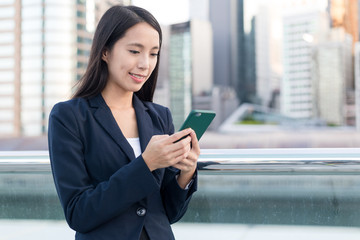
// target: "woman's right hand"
[[163, 150]]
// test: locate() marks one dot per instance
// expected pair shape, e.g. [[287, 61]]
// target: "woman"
[[119, 169]]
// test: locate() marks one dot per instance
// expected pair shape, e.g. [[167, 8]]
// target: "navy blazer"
[[105, 191]]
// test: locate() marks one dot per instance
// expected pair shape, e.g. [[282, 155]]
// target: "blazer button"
[[141, 212]]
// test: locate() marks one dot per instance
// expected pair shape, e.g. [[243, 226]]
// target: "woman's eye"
[[134, 51], [154, 54]]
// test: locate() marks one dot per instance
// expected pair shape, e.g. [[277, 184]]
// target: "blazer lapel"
[[146, 129], [105, 118], [144, 122]]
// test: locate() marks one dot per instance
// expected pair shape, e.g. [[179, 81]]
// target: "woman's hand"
[[188, 164], [163, 150]]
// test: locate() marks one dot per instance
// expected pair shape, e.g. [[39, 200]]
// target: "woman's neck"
[[115, 100], [121, 105]]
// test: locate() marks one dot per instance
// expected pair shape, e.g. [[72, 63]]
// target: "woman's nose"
[[143, 62]]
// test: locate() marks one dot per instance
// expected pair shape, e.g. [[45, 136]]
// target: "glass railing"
[[243, 194]]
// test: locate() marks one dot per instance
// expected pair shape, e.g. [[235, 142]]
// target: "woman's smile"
[[138, 78]]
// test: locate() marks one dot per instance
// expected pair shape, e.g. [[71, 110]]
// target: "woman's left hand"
[[188, 165]]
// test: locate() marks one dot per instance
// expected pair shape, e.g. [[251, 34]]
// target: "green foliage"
[[249, 120]]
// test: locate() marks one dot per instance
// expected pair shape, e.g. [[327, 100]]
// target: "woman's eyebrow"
[[141, 46]]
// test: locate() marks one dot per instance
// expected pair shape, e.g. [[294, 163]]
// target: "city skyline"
[[270, 64]]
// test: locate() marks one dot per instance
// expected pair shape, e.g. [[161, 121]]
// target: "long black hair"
[[113, 26]]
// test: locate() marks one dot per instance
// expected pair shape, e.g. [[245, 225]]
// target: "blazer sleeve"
[[176, 199], [81, 200]]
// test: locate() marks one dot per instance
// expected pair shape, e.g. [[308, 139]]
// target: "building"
[[180, 68], [344, 13], [318, 78], [221, 21], [44, 48], [190, 66], [248, 80], [332, 69], [243, 54], [268, 55], [162, 93], [41, 50], [102, 5], [234, 49], [299, 33], [10, 58], [358, 17], [357, 84]]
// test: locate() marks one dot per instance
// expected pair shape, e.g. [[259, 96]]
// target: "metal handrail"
[[243, 161], [282, 161], [24, 161]]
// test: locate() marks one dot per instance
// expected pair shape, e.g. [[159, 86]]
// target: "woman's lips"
[[137, 77]]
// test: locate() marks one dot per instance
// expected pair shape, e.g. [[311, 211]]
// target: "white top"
[[135, 144]]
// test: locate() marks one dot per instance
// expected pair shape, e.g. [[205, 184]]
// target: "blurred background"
[[280, 73]]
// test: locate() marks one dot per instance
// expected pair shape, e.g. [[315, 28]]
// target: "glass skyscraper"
[[180, 71], [44, 49]]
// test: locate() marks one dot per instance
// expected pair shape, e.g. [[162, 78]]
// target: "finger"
[[186, 162], [192, 158], [183, 144], [176, 155], [158, 137], [177, 136], [195, 142], [181, 165], [181, 154]]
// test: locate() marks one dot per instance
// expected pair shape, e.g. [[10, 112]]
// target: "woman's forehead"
[[142, 34]]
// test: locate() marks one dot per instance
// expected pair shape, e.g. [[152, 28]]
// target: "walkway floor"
[[58, 230]]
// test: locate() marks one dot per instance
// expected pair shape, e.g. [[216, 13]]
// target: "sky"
[[176, 11], [166, 11]]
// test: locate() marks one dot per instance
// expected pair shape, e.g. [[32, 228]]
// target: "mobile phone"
[[199, 121]]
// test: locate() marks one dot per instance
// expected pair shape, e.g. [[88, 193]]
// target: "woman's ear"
[[105, 55]]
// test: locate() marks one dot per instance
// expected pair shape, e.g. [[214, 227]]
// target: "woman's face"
[[132, 58]]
